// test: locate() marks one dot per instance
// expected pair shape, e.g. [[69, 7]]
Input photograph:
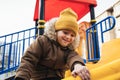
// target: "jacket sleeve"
[[74, 58], [30, 59], [18, 78]]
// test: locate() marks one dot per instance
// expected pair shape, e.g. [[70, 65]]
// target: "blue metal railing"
[[12, 47], [94, 34]]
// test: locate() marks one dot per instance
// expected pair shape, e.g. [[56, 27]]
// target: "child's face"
[[65, 37], [82, 29]]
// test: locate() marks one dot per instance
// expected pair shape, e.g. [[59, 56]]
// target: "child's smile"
[[65, 37]]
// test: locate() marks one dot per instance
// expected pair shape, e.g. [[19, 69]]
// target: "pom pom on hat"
[[67, 20]]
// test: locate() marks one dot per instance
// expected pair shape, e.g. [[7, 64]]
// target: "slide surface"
[[108, 66]]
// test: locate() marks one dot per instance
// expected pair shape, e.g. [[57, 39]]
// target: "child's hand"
[[81, 71]]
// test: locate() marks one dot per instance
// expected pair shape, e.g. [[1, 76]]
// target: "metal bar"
[[3, 55], [95, 40], [42, 7]]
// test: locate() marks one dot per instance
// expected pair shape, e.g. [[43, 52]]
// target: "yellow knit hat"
[[67, 20]]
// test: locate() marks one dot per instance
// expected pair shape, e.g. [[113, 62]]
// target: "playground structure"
[[103, 57], [107, 68], [13, 46]]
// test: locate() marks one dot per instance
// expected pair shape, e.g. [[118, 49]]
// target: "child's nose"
[[69, 36]]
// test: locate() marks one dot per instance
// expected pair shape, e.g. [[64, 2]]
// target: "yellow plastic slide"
[[108, 68]]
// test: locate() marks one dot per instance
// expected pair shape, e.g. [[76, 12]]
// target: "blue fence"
[[12, 46], [95, 36]]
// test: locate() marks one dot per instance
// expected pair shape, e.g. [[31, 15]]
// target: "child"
[[51, 54], [83, 26]]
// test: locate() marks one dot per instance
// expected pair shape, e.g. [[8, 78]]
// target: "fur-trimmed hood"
[[49, 31]]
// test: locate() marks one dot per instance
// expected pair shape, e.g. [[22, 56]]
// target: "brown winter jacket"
[[46, 58]]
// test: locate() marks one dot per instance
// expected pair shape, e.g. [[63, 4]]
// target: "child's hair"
[[81, 49]]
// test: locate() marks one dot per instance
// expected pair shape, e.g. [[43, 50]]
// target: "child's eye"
[[73, 35], [65, 32]]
